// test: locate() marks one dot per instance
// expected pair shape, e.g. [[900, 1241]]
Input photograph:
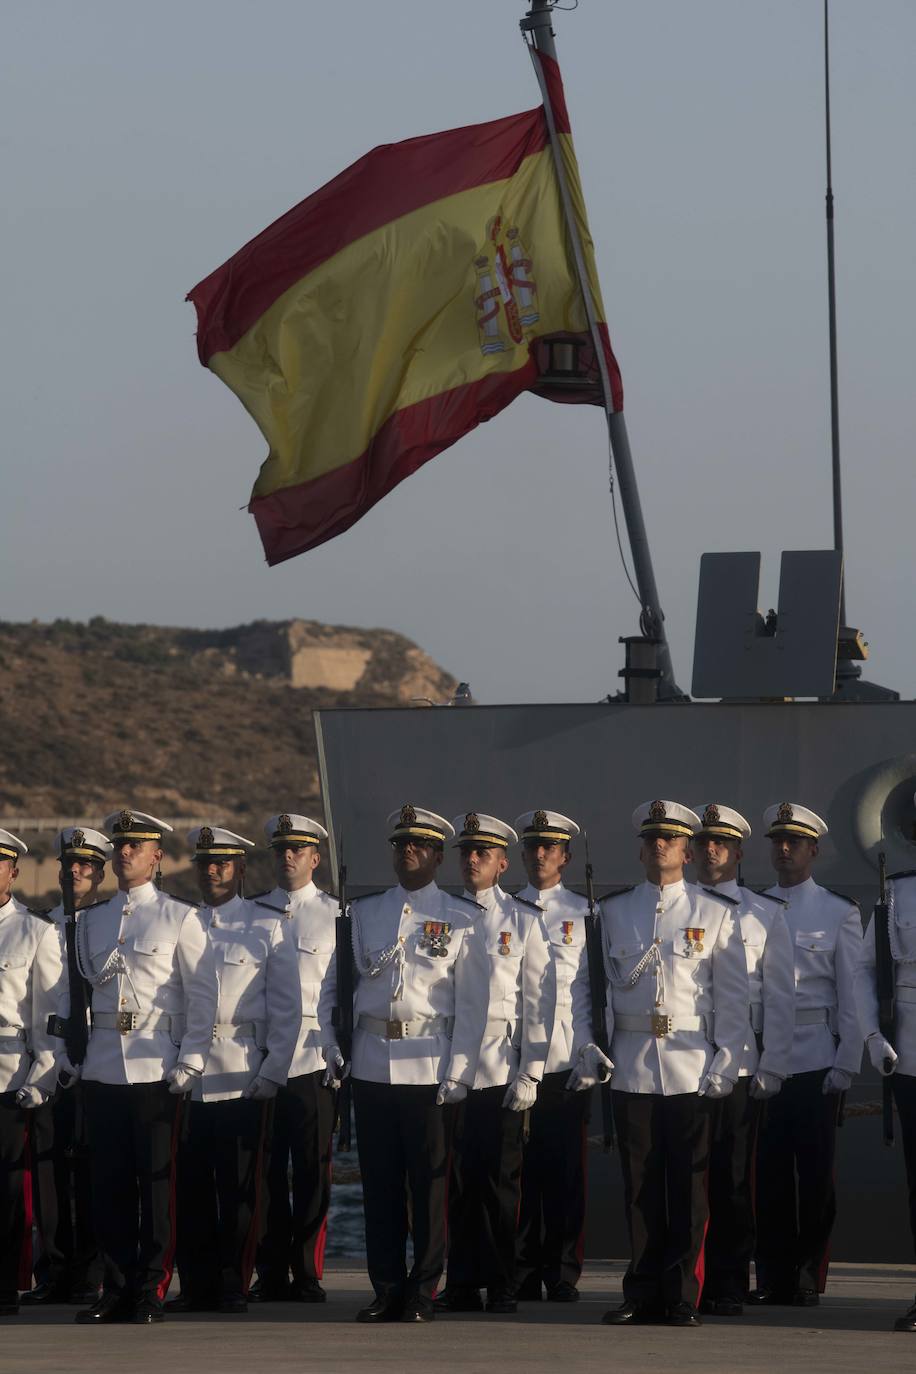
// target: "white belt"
[[128, 1022], [661, 1023], [756, 1010], [406, 1030], [813, 1016], [905, 994], [12, 1039], [308, 1019], [239, 1030]]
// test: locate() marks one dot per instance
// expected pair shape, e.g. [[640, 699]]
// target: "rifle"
[[884, 980], [75, 1030], [344, 1018], [597, 983]]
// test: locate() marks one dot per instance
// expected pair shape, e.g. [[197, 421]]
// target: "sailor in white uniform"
[[30, 971], [221, 1162], [677, 1025], [508, 957], [552, 1215], [897, 1058], [152, 972], [414, 1057], [718, 850], [303, 1124], [70, 1267], [797, 1139]]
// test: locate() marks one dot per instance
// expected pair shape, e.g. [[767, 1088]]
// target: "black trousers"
[[303, 1130], [63, 1198], [220, 1168], [483, 1194], [904, 1086], [796, 1191], [133, 1135], [404, 1141], [732, 1231], [551, 1222], [15, 1220], [664, 1154]]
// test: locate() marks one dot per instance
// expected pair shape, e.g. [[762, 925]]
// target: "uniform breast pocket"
[[814, 953], [153, 952], [12, 964], [625, 957], [692, 962], [753, 953], [905, 932]]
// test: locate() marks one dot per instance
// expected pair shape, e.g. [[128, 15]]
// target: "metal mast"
[[652, 619], [831, 306]]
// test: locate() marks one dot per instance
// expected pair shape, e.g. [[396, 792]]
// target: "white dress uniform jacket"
[[826, 932], [257, 1016], [655, 967], [309, 927], [30, 974], [901, 914], [569, 994], [148, 954], [771, 979], [400, 979], [508, 964]]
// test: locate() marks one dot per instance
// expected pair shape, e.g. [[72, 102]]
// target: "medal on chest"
[[436, 938], [505, 941], [567, 932], [693, 939]]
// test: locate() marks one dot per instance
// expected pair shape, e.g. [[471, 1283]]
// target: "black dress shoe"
[[770, 1297], [233, 1303], [382, 1310], [83, 1295], [267, 1291], [9, 1304], [110, 1307], [147, 1311], [459, 1300], [634, 1314], [683, 1314], [563, 1292], [501, 1301], [530, 1290], [186, 1302], [721, 1307], [418, 1310], [805, 1297], [908, 1321], [305, 1290], [46, 1293]]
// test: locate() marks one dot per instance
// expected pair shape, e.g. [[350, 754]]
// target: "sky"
[[141, 145]]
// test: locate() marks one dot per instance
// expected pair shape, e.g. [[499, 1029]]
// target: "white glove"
[[880, 1049], [837, 1081], [764, 1085], [714, 1085], [337, 1067], [31, 1096], [450, 1091], [521, 1093], [67, 1073], [261, 1089], [180, 1079], [593, 1067]]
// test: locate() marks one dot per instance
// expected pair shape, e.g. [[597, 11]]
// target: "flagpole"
[[652, 619], [831, 316]]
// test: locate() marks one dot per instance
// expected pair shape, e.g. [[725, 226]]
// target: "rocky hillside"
[[185, 722]]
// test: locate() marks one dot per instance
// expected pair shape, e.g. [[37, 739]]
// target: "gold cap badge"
[[408, 815], [657, 811]]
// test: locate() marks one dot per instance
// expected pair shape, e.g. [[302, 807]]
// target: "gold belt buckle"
[[127, 1021], [394, 1030], [661, 1024]]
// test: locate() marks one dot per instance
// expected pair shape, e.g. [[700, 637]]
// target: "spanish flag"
[[395, 309]]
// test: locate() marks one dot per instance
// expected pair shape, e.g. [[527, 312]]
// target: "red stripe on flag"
[[555, 92], [388, 182]]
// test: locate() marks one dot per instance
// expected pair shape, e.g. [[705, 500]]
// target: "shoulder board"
[[256, 896], [767, 896], [185, 901], [907, 873], [100, 902], [613, 892], [363, 895], [466, 901], [842, 896], [268, 906], [711, 892], [42, 915], [523, 901]]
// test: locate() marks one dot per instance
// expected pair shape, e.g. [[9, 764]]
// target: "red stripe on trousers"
[[250, 1247], [321, 1239], [25, 1249], [168, 1259], [699, 1269]]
